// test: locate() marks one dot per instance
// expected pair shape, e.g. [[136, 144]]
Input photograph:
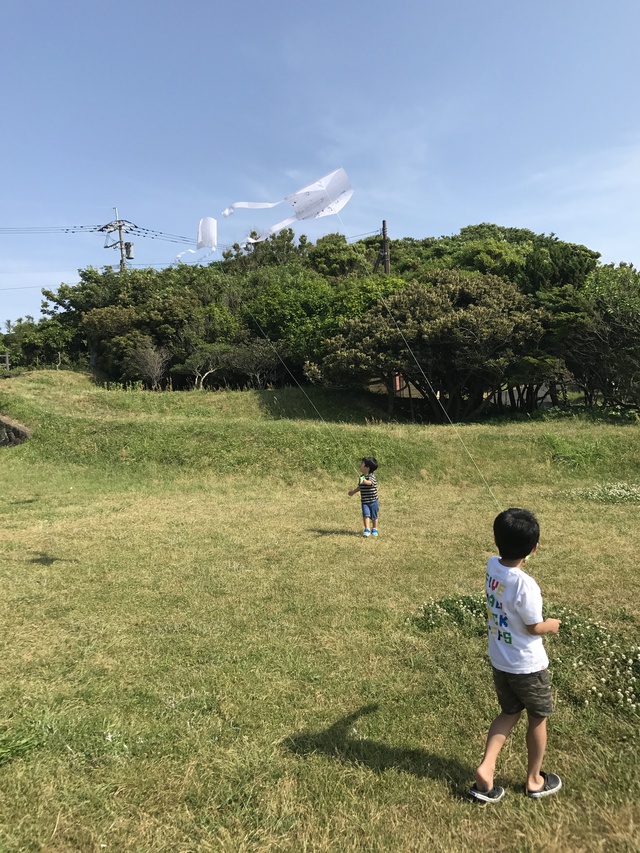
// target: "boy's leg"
[[499, 731], [367, 522], [536, 745]]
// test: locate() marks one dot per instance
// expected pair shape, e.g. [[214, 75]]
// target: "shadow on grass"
[[321, 404], [328, 531], [338, 742], [42, 558]]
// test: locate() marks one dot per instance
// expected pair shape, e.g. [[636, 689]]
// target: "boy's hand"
[[549, 626], [351, 494]]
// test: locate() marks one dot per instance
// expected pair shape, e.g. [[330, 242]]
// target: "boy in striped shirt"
[[368, 489]]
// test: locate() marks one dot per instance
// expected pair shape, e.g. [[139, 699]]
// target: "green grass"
[[200, 653]]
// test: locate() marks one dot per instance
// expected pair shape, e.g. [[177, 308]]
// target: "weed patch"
[[608, 493], [591, 663], [15, 744]]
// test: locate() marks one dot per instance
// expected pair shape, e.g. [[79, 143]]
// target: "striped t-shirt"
[[368, 494]]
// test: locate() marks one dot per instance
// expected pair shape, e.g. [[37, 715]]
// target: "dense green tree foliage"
[[490, 315], [456, 336]]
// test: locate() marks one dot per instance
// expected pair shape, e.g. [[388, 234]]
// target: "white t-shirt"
[[514, 601]]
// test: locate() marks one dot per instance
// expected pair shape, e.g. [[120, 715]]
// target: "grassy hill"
[[199, 652]]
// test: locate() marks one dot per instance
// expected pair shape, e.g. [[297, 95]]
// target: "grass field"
[[199, 652]]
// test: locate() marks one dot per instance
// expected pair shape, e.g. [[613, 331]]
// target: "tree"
[[455, 337], [277, 249], [147, 362], [603, 350], [37, 343], [333, 257]]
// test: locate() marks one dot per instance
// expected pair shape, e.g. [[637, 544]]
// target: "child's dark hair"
[[370, 462], [516, 532]]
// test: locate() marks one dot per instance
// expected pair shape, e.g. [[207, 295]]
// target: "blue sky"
[[444, 113]]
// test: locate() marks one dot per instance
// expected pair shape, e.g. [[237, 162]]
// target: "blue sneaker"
[[367, 532], [374, 532]]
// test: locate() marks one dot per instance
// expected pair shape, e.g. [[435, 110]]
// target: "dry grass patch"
[[203, 657]]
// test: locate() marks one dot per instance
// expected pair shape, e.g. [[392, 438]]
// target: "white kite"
[[208, 233], [207, 237], [323, 197]]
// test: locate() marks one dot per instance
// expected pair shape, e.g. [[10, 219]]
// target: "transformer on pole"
[[121, 226]]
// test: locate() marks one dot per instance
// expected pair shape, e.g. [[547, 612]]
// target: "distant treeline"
[[490, 317]]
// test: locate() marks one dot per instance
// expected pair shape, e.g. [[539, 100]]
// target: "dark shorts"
[[370, 510], [530, 691]]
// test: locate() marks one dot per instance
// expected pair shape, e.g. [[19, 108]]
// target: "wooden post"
[[385, 248], [383, 254]]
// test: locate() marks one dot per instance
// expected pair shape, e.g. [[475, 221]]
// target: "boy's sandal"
[[552, 784], [492, 796]]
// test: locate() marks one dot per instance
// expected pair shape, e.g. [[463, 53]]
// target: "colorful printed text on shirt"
[[497, 620]]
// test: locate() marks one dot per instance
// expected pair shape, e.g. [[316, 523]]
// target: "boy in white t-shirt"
[[517, 654]]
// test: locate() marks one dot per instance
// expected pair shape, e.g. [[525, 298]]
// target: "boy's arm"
[[549, 626], [354, 491], [365, 483]]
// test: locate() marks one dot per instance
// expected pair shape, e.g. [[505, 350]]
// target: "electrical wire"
[[128, 228], [29, 287], [49, 229], [151, 234], [366, 234], [163, 234]]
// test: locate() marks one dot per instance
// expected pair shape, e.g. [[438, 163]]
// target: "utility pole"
[[385, 248], [384, 255], [123, 258], [6, 360], [126, 248]]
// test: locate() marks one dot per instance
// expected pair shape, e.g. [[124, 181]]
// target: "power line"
[[29, 287], [127, 227], [49, 229], [366, 234]]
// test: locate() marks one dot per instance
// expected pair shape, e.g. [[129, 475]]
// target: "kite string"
[[336, 441], [430, 386], [279, 225], [446, 414]]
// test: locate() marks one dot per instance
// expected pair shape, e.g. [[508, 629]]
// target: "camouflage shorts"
[[529, 691]]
